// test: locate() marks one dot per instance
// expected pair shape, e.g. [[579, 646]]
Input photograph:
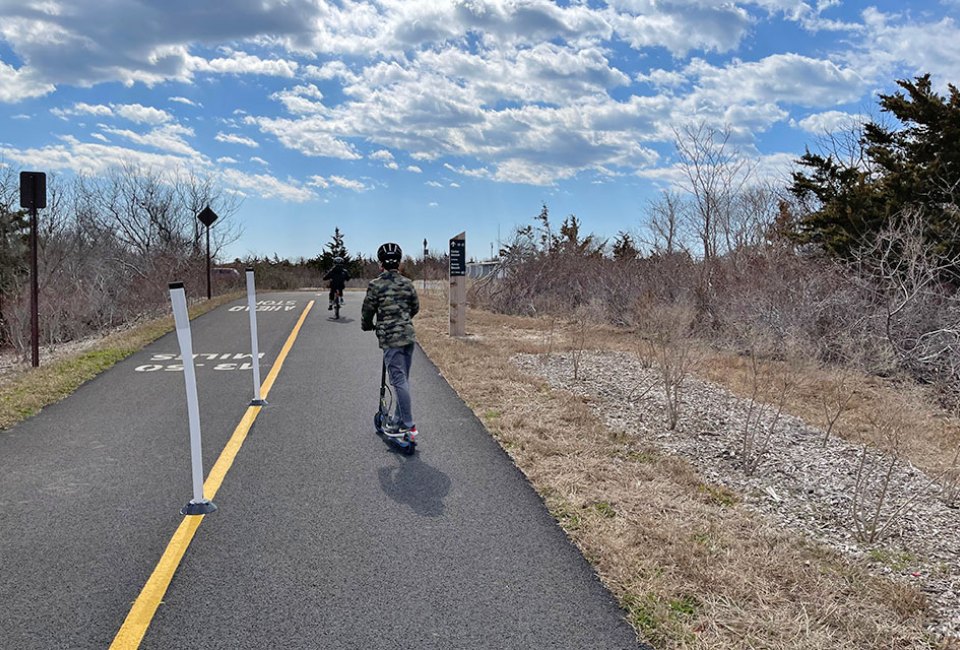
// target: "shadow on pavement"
[[414, 483]]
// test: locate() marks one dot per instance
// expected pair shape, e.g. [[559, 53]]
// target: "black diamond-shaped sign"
[[207, 216]]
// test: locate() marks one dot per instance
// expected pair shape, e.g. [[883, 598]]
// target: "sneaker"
[[392, 429], [410, 433]]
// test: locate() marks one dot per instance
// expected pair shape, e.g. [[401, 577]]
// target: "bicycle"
[[337, 302]]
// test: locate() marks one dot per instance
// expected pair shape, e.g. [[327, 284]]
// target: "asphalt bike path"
[[325, 537], [90, 489]]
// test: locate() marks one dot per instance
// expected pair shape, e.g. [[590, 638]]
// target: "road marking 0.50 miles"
[[145, 606]]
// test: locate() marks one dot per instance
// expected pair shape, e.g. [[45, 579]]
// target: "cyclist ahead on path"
[[338, 277], [393, 300]]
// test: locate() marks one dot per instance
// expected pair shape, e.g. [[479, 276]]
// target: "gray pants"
[[398, 362]]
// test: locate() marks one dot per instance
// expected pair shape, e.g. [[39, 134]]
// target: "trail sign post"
[[458, 285], [33, 196], [425, 253], [207, 217]]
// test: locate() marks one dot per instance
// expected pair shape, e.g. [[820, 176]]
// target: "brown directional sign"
[[207, 216], [33, 190]]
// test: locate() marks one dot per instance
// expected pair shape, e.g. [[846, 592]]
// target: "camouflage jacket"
[[393, 300]]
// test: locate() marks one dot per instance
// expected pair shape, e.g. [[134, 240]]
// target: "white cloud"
[[141, 114], [166, 138], [227, 160], [347, 183], [155, 47], [234, 138], [83, 109], [186, 101], [659, 78], [259, 161], [268, 187], [482, 172], [386, 158], [18, 85], [132, 112], [528, 91], [337, 181], [242, 63], [98, 159], [910, 47], [301, 100], [90, 158], [310, 136], [680, 26], [433, 184], [779, 78], [830, 122], [99, 136]]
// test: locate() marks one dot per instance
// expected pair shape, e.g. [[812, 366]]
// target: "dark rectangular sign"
[[33, 190], [458, 257]]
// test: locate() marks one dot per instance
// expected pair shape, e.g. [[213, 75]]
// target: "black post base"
[[203, 507]]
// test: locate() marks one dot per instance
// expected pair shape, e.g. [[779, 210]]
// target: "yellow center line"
[[145, 606]]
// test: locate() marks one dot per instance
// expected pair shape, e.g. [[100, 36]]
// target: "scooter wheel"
[[378, 421]]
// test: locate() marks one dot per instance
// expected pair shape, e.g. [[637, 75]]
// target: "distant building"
[[478, 270]]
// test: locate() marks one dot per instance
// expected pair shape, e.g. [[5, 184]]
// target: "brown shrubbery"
[[108, 247], [864, 316]]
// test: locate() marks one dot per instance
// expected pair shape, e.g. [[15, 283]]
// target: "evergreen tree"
[[335, 248], [14, 253], [915, 167], [624, 248]]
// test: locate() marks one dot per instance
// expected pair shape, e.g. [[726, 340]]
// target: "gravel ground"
[[800, 483]]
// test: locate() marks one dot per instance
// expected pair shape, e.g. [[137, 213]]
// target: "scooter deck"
[[405, 446]]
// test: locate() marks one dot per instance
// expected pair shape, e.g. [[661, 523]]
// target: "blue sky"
[[409, 119]]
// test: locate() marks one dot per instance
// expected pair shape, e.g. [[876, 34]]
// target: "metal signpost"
[[425, 253], [458, 285], [207, 217], [33, 196]]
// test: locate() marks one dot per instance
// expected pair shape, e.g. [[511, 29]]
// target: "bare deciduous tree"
[[715, 173]]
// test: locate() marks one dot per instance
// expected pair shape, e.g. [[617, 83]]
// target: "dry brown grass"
[[691, 568]]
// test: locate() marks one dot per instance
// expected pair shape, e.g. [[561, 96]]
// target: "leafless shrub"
[[835, 401], [769, 391], [874, 508], [585, 317], [919, 310], [666, 330], [950, 482]]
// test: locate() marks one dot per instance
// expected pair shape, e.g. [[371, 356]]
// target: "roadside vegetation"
[[832, 298], [690, 565]]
